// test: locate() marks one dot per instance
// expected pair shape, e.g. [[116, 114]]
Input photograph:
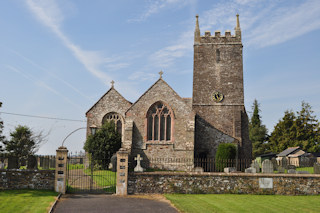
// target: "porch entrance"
[[87, 176]]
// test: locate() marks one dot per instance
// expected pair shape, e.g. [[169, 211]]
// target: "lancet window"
[[159, 122]]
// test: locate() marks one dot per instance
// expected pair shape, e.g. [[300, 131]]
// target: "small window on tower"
[[217, 55]]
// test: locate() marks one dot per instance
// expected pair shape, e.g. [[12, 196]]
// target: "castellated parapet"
[[218, 38]]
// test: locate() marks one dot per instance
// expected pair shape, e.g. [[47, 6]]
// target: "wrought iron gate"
[[87, 176]]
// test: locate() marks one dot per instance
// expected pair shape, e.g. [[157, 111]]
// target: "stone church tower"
[[218, 98]]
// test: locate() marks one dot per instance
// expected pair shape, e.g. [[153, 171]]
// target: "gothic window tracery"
[[113, 116], [159, 122]]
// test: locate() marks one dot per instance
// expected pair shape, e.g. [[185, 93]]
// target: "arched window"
[[159, 122], [113, 116]]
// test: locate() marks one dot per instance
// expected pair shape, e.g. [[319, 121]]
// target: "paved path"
[[79, 203], [79, 180]]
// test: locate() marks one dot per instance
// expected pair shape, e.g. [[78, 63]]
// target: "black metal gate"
[[87, 176]]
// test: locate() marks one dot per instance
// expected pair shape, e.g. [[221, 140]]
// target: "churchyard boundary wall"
[[26, 179], [223, 183]]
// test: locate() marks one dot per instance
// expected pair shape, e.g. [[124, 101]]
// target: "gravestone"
[[13, 162], [284, 162], [32, 162], [291, 171], [291, 167], [304, 162], [316, 168], [41, 161], [2, 164], [138, 168], [255, 165], [302, 172], [275, 164], [114, 162], [45, 163], [267, 166], [52, 163], [250, 170], [229, 169], [281, 170], [198, 169]]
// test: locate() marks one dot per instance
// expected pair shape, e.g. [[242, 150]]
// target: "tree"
[[2, 138], [296, 130], [257, 132], [23, 142], [308, 131], [103, 144]]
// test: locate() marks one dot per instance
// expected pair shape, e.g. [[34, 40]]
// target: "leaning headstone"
[[250, 170], [291, 167], [114, 162], [32, 162], [281, 170], [291, 171], [229, 169], [316, 168], [256, 165], [284, 162], [275, 164], [13, 163], [267, 166]]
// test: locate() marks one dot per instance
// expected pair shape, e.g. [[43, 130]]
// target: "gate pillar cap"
[[123, 151], [62, 148]]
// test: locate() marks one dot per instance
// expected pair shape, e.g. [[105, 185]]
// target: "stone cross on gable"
[[112, 83], [160, 73], [138, 168]]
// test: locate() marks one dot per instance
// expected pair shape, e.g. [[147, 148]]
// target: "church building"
[[163, 125]]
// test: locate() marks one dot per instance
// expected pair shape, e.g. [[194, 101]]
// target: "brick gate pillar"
[[61, 170], [122, 172]]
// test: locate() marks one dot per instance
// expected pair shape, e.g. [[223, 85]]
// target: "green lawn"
[[26, 200], [244, 203]]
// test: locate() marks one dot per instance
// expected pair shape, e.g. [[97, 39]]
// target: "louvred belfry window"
[[159, 122], [113, 116]]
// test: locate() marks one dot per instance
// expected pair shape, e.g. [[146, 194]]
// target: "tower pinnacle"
[[237, 28], [197, 31]]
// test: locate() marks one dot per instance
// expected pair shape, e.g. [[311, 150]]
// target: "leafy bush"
[[225, 152]]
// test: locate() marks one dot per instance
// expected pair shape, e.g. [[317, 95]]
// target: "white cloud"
[[43, 85], [263, 23], [49, 14], [157, 5], [143, 76]]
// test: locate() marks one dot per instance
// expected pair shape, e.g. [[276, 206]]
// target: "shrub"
[[225, 152]]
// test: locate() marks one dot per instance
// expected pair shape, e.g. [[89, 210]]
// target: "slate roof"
[[288, 151]]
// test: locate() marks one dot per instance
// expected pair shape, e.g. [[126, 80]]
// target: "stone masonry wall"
[[218, 67], [222, 183], [112, 101], [181, 144], [27, 179]]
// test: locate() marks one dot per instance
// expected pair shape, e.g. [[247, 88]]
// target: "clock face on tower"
[[217, 96]]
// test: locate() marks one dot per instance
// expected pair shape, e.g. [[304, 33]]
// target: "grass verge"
[[35, 201], [244, 203]]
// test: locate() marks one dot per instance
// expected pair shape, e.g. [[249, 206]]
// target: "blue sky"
[[57, 58]]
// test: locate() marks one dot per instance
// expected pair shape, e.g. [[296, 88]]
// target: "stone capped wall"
[[27, 179], [222, 183]]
